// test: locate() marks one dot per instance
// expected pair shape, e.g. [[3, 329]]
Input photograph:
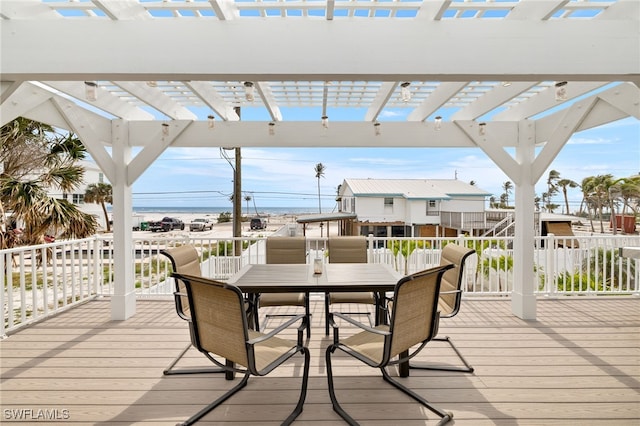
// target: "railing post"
[[550, 261], [97, 248]]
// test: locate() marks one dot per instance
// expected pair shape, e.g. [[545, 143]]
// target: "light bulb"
[[561, 91], [248, 91], [405, 92], [91, 90]]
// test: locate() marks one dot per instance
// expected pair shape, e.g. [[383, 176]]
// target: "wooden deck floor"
[[577, 364]]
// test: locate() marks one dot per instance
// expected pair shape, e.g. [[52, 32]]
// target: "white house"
[[92, 174], [413, 207]]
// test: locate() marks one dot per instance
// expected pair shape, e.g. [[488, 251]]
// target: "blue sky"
[[285, 177]]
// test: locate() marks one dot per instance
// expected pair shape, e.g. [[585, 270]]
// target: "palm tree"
[[596, 194], [630, 190], [35, 161], [564, 183], [247, 198], [507, 187], [319, 169], [552, 189], [100, 193]]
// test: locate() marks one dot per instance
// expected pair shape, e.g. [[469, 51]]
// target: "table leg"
[[403, 367], [229, 375]]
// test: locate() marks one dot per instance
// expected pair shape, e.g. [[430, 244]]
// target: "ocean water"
[[263, 211]]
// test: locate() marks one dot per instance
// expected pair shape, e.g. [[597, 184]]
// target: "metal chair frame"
[[457, 254], [428, 282], [347, 249], [250, 345], [284, 255], [189, 252]]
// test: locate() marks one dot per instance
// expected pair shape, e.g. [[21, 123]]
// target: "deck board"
[[578, 362]]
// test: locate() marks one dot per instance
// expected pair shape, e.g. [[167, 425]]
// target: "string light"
[[438, 123], [272, 128], [248, 91], [165, 129], [561, 91], [325, 121], [482, 129], [91, 90], [405, 92], [376, 128]]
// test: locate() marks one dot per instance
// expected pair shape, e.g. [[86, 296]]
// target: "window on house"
[[388, 202], [78, 198], [101, 177], [432, 208]]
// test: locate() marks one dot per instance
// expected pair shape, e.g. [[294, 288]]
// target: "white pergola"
[[489, 68]]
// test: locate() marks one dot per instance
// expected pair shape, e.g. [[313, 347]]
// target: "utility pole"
[[237, 198]]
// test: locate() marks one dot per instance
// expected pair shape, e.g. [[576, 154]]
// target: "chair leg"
[[303, 391], [170, 371], [332, 394], [466, 369], [445, 417], [326, 314], [200, 414]]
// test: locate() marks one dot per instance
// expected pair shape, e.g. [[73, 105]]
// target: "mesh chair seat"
[[450, 299], [414, 322], [220, 329], [185, 260], [282, 299], [348, 249], [363, 297], [285, 250]]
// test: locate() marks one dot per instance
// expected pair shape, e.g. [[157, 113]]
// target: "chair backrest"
[[347, 249], [219, 321], [286, 250], [184, 260], [451, 289], [414, 319]]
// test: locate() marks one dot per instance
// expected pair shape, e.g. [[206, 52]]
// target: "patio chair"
[[283, 250], [185, 260], [220, 329], [414, 321], [347, 250], [450, 299]]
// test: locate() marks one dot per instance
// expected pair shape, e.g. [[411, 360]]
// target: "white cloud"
[[590, 141]]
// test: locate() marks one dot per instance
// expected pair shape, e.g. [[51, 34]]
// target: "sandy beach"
[[225, 229]]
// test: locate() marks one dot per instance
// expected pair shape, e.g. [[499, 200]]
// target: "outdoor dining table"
[[335, 277]]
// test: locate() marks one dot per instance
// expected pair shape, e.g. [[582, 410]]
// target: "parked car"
[[200, 224], [258, 223], [166, 224]]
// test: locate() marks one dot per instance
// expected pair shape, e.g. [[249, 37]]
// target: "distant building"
[[413, 207], [92, 174]]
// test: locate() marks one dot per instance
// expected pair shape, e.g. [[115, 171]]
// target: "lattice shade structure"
[[481, 74]]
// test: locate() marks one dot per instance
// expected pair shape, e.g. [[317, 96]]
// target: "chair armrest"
[[176, 298], [359, 324], [277, 330], [451, 291]]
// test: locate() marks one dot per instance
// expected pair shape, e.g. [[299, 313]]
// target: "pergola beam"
[[554, 50]]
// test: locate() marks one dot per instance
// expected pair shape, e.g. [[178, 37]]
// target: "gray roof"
[[431, 189]]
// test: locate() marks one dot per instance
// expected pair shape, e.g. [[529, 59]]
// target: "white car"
[[200, 224]]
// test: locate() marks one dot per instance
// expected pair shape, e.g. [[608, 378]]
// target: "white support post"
[[123, 301], [523, 299]]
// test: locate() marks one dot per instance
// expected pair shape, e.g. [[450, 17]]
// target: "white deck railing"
[[44, 279]]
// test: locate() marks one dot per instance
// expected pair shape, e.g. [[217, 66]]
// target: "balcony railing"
[[44, 279]]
